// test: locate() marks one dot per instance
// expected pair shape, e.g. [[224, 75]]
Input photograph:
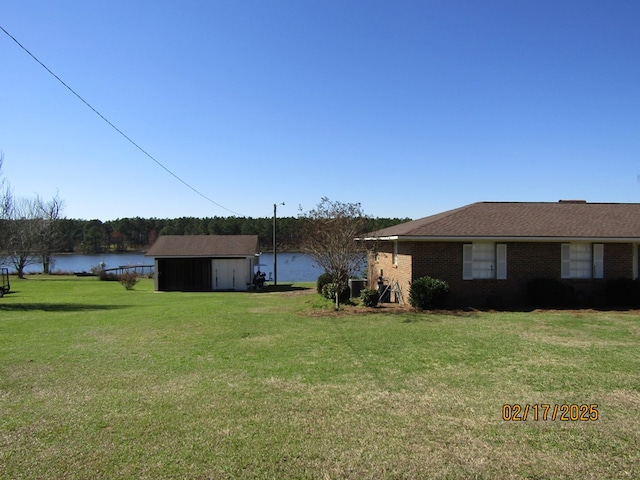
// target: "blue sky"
[[407, 107]]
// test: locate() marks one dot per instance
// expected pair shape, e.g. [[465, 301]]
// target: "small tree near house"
[[329, 234]]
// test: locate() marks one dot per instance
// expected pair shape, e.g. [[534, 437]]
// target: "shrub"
[[323, 279], [370, 297], [97, 269], [426, 293], [623, 292], [129, 279], [326, 287], [108, 277], [101, 273], [549, 293], [329, 291]]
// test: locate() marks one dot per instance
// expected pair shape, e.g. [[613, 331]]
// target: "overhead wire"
[[114, 127]]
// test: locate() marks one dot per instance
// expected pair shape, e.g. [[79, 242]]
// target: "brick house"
[[489, 252]]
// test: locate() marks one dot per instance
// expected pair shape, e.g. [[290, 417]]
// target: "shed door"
[[184, 274], [229, 274]]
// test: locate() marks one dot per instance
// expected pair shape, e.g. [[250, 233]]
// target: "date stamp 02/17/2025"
[[566, 412]]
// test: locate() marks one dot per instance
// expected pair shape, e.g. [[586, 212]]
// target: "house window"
[[582, 260], [484, 260]]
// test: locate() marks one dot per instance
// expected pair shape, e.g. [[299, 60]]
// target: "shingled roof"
[[204, 246], [523, 221]]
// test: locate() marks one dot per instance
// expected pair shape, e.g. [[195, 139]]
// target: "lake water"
[[292, 266]]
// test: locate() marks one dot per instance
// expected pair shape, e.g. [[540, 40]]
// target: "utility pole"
[[275, 248]]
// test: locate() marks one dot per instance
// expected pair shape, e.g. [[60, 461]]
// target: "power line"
[[113, 126]]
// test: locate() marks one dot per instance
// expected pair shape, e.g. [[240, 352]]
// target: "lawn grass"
[[100, 382]]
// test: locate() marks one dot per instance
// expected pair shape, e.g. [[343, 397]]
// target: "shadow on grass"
[[56, 307], [283, 287]]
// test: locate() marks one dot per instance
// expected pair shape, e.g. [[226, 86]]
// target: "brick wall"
[[618, 260], [381, 265], [525, 261]]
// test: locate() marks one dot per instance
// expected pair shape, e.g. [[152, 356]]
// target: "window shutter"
[[501, 261], [565, 270], [467, 261], [598, 260]]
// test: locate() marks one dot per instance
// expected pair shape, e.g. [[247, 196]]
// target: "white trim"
[[467, 261], [507, 239], [565, 260], [213, 256], [501, 261], [394, 257], [598, 260]]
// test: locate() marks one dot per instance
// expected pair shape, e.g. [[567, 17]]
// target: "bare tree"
[[49, 214], [22, 232], [31, 232], [6, 200], [29, 227], [329, 234], [5, 192]]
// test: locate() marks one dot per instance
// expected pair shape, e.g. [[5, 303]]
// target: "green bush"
[[549, 293], [108, 277], [323, 279], [326, 287], [329, 291], [426, 293], [623, 292], [128, 279], [369, 297]]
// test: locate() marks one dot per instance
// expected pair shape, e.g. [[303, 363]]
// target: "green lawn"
[[100, 382]]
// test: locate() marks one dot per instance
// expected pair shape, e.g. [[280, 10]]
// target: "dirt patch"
[[386, 309], [357, 310]]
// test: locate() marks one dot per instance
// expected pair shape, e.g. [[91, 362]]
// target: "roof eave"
[[208, 255], [489, 238]]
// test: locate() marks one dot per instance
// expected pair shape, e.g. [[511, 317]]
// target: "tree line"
[[136, 234], [34, 229]]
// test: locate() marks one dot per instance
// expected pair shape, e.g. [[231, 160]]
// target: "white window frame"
[[581, 260], [484, 261]]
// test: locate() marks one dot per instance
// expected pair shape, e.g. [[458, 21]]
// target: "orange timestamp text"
[[566, 412]]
